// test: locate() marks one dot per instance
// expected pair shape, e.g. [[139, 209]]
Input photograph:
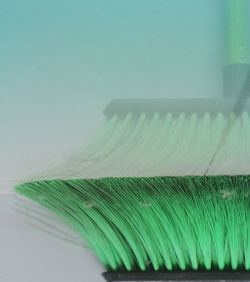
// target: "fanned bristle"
[[143, 145], [158, 223]]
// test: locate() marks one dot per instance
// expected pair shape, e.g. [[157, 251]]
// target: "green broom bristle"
[[156, 223]]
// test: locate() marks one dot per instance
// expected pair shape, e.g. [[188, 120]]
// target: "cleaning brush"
[[162, 191], [158, 223]]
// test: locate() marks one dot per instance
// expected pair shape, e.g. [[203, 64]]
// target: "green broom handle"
[[237, 31], [237, 69]]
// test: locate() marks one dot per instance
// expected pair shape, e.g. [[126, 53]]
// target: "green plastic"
[[158, 223], [237, 31]]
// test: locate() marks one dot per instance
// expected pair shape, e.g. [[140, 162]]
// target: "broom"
[[162, 192]]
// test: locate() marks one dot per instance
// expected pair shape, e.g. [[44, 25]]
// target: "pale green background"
[[63, 61]]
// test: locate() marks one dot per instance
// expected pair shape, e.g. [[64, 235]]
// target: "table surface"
[[31, 251]]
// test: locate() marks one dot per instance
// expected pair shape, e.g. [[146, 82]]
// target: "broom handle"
[[237, 68], [237, 31], [237, 72]]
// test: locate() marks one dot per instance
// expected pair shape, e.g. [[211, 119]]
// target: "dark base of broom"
[[176, 276]]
